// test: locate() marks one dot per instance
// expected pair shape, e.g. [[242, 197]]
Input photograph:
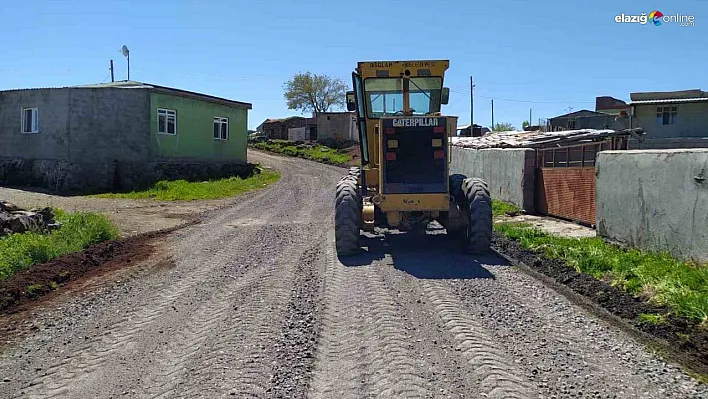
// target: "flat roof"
[[129, 84]]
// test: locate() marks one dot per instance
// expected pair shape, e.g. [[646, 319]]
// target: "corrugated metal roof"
[[670, 100], [537, 139], [123, 84]]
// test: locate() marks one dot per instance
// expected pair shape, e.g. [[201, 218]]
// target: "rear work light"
[[439, 129], [438, 154], [437, 143], [390, 156], [393, 144]]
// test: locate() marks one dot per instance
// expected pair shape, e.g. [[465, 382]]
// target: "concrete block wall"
[[109, 123], [510, 173], [655, 200], [52, 141]]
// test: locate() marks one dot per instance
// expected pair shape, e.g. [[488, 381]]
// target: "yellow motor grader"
[[404, 180]]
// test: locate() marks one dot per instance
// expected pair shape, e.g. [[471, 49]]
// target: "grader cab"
[[404, 180]]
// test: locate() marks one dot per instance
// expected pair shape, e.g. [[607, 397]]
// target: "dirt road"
[[254, 303]]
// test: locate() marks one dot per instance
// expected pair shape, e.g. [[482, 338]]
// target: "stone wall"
[[108, 176]]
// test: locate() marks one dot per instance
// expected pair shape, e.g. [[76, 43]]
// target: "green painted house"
[[194, 126], [121, 133]]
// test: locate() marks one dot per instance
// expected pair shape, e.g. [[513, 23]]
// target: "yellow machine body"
[[407, 82]]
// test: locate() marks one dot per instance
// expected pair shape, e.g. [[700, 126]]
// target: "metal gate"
[[565, 180]]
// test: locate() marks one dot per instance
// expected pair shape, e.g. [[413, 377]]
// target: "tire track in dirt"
[[249, 354], [498, 377], [340, 367], [89, 358], [575, 347], [363, 349], [396, 371], [175, 363]]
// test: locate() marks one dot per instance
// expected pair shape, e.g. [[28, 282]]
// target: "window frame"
[[221, 120], [34, 129], [167, 113], [666, 115]]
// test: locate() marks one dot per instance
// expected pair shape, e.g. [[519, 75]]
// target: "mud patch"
[[684, 337], [25, 288]]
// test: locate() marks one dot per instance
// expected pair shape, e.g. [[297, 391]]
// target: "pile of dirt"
[[40, 279], [13, 219], [688, 340], [354, 153]]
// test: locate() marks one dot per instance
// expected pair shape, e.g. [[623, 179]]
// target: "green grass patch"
[[34, 288], [501, 208], [652, 318], [78, 232], [658, 277], [182, 190], [319, 153]]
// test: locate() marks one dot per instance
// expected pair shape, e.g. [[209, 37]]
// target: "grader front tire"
[[347, 217], [478, 237]]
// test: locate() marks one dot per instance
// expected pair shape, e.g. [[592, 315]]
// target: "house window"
[[666, 115], [221, 128], [571, 125], [30, 120], [166, 121]]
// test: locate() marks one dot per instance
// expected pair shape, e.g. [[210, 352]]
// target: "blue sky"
[[547, 56]]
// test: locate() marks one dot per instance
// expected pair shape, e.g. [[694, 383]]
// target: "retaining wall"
[[94, 177], [655, 200], [509, 172]]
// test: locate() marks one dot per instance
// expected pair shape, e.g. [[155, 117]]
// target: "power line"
[[466, 93]]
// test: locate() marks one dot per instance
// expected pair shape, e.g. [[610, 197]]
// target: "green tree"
[[503, 127], [525, 124], [308, 92]]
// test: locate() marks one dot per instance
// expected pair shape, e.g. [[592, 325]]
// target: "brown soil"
[[25, 289], [686, 338], [355, 153]]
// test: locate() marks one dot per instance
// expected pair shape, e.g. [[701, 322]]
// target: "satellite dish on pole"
[[126, 53]]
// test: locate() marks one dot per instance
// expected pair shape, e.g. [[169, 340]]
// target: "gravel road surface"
[[254, 303]]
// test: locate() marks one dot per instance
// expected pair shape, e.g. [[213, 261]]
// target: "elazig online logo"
[[657, 18]]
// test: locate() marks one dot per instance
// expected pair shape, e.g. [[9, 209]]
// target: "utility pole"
[[471, 104], [112, 79], [530, 112], [492, 114]]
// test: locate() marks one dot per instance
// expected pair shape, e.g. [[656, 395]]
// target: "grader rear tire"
[[478, 235], [347, 217]]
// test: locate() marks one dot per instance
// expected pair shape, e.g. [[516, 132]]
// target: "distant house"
[[586, 119], [337, 125], [611, 105], [671, 119], [327, 125], [277, 129], [112, 135], [472, 131]]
